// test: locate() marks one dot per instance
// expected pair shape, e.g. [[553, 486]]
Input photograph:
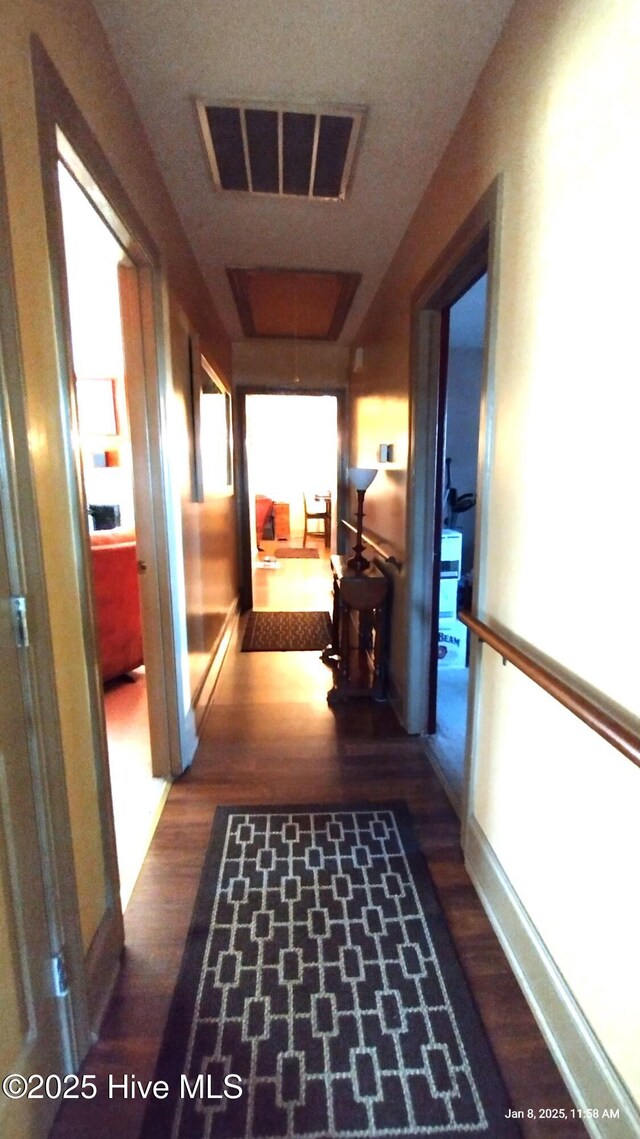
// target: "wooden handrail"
[[369, 541], [612, 729]]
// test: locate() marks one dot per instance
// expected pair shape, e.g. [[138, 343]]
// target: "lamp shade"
[[362, 477]]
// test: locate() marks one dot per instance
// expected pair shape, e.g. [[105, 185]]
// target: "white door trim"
[[472, 250]]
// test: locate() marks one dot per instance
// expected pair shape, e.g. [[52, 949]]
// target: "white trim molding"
[[590, 1077]]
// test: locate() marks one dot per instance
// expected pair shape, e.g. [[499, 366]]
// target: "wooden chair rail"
[[612, 729], [370, 541]]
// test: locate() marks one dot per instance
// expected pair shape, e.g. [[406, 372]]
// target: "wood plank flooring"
[[271, 738]]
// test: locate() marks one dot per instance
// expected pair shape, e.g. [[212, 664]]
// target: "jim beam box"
[[452, 645]]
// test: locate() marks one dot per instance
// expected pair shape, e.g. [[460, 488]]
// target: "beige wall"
[[75, 42], [556, 114], [277, 363]]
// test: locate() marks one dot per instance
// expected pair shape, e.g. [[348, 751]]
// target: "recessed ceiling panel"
[[269, 149], [413, 64], [289, 303]]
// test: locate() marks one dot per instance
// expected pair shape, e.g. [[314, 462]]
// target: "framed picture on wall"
[[215, 432], [97, 411], [194, 396], [209, 415]]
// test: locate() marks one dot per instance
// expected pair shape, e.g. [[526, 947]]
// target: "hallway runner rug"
[[296, 552], [320, 994], [286, 632]]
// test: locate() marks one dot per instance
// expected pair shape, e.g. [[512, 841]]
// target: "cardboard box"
[[451, 553], [448, 599], [452, 645]]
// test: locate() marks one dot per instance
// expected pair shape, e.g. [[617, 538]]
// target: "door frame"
[[47, 766], [60, 124], [64, 135], [241, 471], [472, 251]]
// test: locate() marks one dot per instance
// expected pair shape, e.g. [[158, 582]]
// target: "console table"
[[359, 603]]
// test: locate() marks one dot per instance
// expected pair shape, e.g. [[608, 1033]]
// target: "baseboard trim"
[[102, 966], [453, 796], [590, 1077], [205, 696], [396, 700]]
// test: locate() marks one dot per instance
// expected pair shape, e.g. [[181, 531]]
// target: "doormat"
[[286, 632], [297, 552], [320, 993]]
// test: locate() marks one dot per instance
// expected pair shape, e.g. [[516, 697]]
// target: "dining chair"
[[317, 508]]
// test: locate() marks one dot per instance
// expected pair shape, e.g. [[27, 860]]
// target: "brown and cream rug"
[[320, 993], [286, 632], [296, 552]]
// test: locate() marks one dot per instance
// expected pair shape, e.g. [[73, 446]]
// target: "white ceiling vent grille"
[[272, 149]]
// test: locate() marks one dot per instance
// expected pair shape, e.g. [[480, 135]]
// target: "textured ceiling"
[[412, 63]]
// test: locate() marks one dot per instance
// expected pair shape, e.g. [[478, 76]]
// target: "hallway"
[[271, 738]]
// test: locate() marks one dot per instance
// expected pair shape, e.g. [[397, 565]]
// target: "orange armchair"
[[117, 597]]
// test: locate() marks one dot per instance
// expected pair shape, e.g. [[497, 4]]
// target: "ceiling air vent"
[[272, 149]]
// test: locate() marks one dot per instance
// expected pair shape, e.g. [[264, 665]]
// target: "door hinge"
[[20, 626], [59, 974]]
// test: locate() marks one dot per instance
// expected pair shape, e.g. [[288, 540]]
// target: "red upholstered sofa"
[[115, 577]]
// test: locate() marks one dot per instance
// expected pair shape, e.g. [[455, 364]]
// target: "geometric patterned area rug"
[[286, 632], [296, 552], [320, 994]]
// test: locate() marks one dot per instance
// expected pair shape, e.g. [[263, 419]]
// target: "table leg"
[[331, 654], [378, 686], [345, 620]]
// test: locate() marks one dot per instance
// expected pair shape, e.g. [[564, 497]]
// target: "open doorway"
[[455, 424], [292, 479], [93, 261], [462, 392]]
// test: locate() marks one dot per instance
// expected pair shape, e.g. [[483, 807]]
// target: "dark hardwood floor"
[[271, 738]]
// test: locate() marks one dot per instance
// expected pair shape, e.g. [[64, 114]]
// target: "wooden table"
[[359, 611]]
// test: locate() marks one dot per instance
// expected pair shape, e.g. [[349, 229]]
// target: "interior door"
[[432, 693], [160, 664], [30, 1036]]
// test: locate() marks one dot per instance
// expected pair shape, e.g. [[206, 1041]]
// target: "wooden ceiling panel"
[[288, 303]]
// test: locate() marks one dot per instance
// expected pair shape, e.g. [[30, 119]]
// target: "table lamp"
[[360, 479]]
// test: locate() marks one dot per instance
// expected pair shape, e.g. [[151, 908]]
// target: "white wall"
[[286, 364], [464, 381], [292, 446], [464, 384], [92, 257], [559, 807], [555, 116]]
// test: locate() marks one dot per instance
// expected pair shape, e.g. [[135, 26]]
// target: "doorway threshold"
[[446, 748]]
